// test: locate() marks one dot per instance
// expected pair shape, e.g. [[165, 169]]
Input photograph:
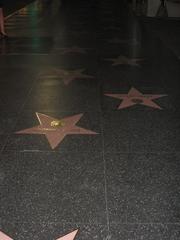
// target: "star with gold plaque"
[[134, 97], [56, 130]]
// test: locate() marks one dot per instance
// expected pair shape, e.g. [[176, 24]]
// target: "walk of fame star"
[[3, 236], [135, 97], [56, 130], [66, 75], [70, 236], [73, 49], [123, 60]]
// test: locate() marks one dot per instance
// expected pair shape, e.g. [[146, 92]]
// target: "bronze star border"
[[56, 130], [134, 97]]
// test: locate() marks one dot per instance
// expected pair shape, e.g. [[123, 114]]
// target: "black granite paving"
[[124, 182], [11, 6]]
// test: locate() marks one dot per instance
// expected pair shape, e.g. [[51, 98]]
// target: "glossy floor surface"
[[156, 8], [89, 126], [12, 6]]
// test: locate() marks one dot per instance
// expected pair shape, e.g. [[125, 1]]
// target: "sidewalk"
[[89, 126], [12, 6]]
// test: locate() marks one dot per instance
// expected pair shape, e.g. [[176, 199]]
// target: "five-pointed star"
[[122, 41], [56, 130], [73, 49], [3, 236], [70, 236], [66, 75], [123, 60], [135, 97]]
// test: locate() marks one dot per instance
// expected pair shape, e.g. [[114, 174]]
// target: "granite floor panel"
[[133, 132], [89, 123], [148, 186], [53, 187], [61, 102], [145, 232], [162, 134]]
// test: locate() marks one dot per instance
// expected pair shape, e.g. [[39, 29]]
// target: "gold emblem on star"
[[57, 123]]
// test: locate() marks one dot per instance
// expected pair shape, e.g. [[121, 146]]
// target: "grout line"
[[48, 151], [105, 183], [109, 152], [146, 223], [113, 223]]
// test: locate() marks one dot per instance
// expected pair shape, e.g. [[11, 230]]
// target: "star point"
[[56, 130], [69, 236], [67, 76], [3, 236], [73, 49], [135, 97]]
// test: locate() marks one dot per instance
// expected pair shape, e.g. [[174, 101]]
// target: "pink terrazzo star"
[[135, 97], [56, 130], [66, 75], [70, 236], [73, 49], [123, 60], [3, 236]]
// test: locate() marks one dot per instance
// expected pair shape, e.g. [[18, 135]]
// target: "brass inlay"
[[57, 123]]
